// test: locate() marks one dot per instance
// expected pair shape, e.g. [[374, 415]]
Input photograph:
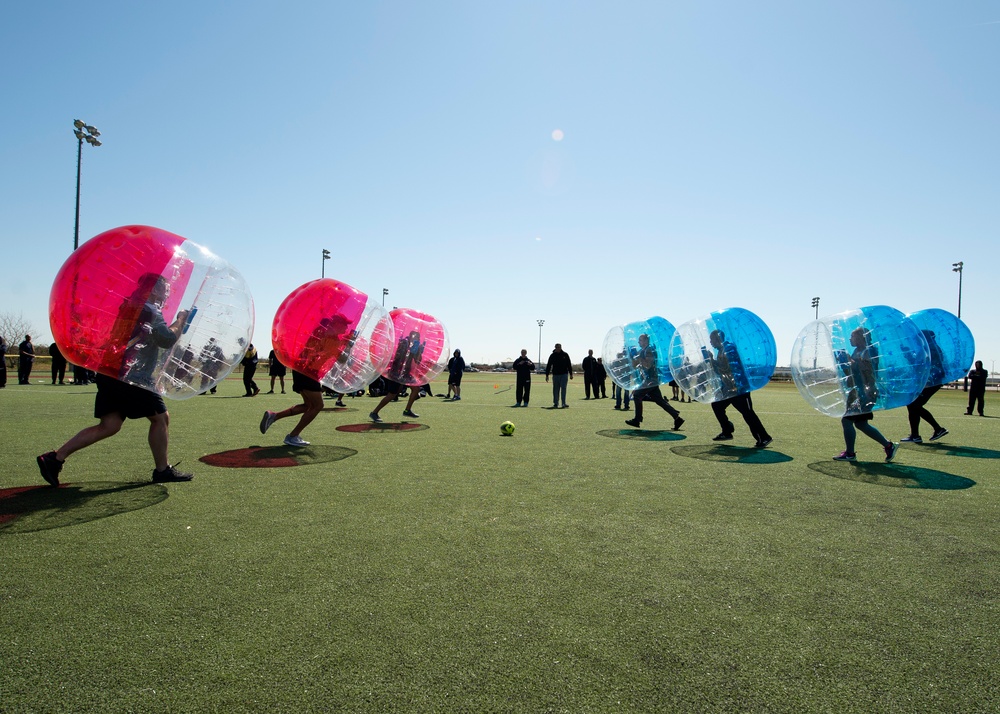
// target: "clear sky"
[[493, 164]]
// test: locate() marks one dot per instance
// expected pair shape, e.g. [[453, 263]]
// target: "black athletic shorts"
[[129, 401], [455, 379], [393, 387], [857, 418], [302, 383]]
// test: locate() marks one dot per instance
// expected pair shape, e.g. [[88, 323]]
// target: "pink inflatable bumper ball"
[[421, 351], [333, 333], [152, 309]]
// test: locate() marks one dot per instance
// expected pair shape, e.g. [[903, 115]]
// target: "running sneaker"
[[723, 437], [295, 441], [916, 439], [375, 418], [763, 443], [171, 474], [266, 421], [456, 399], [678, 421], [890, 451], [633, 422], [939, 433], [845, 456], [410, 413], [50, 467], [339, 403]]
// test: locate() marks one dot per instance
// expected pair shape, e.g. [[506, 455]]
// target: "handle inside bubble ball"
[[190, 318]]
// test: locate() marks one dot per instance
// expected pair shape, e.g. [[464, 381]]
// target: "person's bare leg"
[[109, 425], [311, 407], [159, 438], [385, 400]]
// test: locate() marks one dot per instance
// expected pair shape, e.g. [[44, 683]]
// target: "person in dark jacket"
[[58, 364], [560, 366], [588, 374], [977, 388], [600, 380], [524, 367], [25, 358]]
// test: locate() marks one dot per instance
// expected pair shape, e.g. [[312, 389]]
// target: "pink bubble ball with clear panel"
[[333, 333], [421, 351], [96, 309]]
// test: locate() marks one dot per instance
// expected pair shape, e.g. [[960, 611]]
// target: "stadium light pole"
[[84, 132], [326, 257], [385, 291], [957, 268], [540, 323], [816, 306]]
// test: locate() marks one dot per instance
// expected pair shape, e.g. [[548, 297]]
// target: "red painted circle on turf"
[[381, 428]]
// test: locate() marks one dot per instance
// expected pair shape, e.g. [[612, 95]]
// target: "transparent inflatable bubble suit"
[[950, 343], [108, 297], [860, 361], [421, 351], [739, 359], [333, 333], [621, 346]]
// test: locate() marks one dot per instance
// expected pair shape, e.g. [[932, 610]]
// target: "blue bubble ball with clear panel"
[[622, 346], [860, 361], [951, 344], [726, 353]]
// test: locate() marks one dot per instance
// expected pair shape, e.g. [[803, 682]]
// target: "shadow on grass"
[[340, 409], [381, 427], [894, 475], [271, 457], [731, 454], [641, 435], [967, 452], [39, 508]]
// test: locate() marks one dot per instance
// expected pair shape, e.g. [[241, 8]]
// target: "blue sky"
[[713, 154]]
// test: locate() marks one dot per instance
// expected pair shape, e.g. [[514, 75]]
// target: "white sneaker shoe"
[[295, 441]]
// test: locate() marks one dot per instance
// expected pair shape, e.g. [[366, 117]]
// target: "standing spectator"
[[649, 390], [977, 388], [58, 364], [117, 401], [276, 370], [600, 379], [560, 366], [524, 367], [249, 363], [25, 358], [729, 367], [211, 359], [617, 392], [859, 369], [81, 375], [588, 374], [456, 368], [3, 362]]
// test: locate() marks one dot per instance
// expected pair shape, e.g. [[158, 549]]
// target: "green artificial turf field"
[[579, 565]]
